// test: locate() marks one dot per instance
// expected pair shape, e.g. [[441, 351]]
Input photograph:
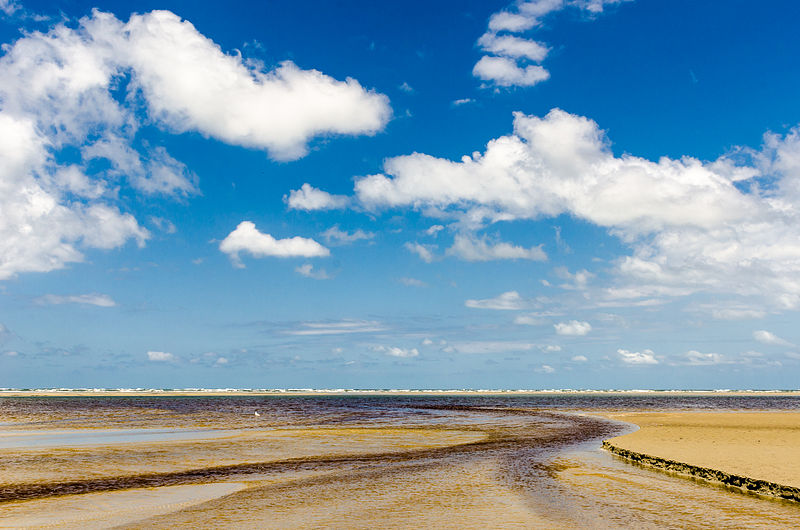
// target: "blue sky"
[[541, 194]]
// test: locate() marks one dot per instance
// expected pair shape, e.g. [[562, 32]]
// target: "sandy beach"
[[759, 445], [457, 461], [331, 462]]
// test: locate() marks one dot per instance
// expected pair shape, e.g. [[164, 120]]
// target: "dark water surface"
[[305, 409]]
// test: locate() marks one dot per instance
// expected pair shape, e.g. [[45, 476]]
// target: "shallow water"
[[27, 439], [359, 461]]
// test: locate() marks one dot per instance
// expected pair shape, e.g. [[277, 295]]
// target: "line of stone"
[[762, 487]]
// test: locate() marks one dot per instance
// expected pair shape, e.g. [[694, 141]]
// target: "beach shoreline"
[[438, 460], [753, 451]]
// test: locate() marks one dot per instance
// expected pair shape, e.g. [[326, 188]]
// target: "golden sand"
[[464, 470], [758, 445]]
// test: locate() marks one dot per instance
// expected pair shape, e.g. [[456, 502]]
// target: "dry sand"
[[759, 445]]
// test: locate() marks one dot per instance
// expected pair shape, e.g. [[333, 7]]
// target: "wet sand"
[[335, 465], [339, 462], [763, 446], [106, 510], [32, 472]]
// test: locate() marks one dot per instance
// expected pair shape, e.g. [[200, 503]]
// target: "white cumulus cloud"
[[310, 198], [510, 300], [334, 235], [573, 327], [471, 248], [635, 357], [160, 356], [511, 46], [394, 351], [425, 252], [247, 238], [531, 319], [688, 224], [696, 358], [576, 281], [309, 271], [509, 54], [765, 337], [504, 71], [60, 89], [196, 86]]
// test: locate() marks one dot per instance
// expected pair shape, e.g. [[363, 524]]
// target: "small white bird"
[[257, 414]]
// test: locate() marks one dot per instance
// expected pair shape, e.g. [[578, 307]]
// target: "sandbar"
[[762, 446]]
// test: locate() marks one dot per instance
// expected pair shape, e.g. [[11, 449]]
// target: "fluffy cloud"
[[100, 300], [334, 235], [394, 351], [765, 337], [309, 271], [510, 300], [573, 327], [504, 71], [434, 230], [635, 357], [198, 87], [691, 225], [559, 164], [87, 90], [507, 64], [510, 46], [310, 198], [696, 358], [425, 252], [160, 356], [577, 281], [514, 22], [247, 238], [49, 212], [9, 7], [531, 319], [471, 248]]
